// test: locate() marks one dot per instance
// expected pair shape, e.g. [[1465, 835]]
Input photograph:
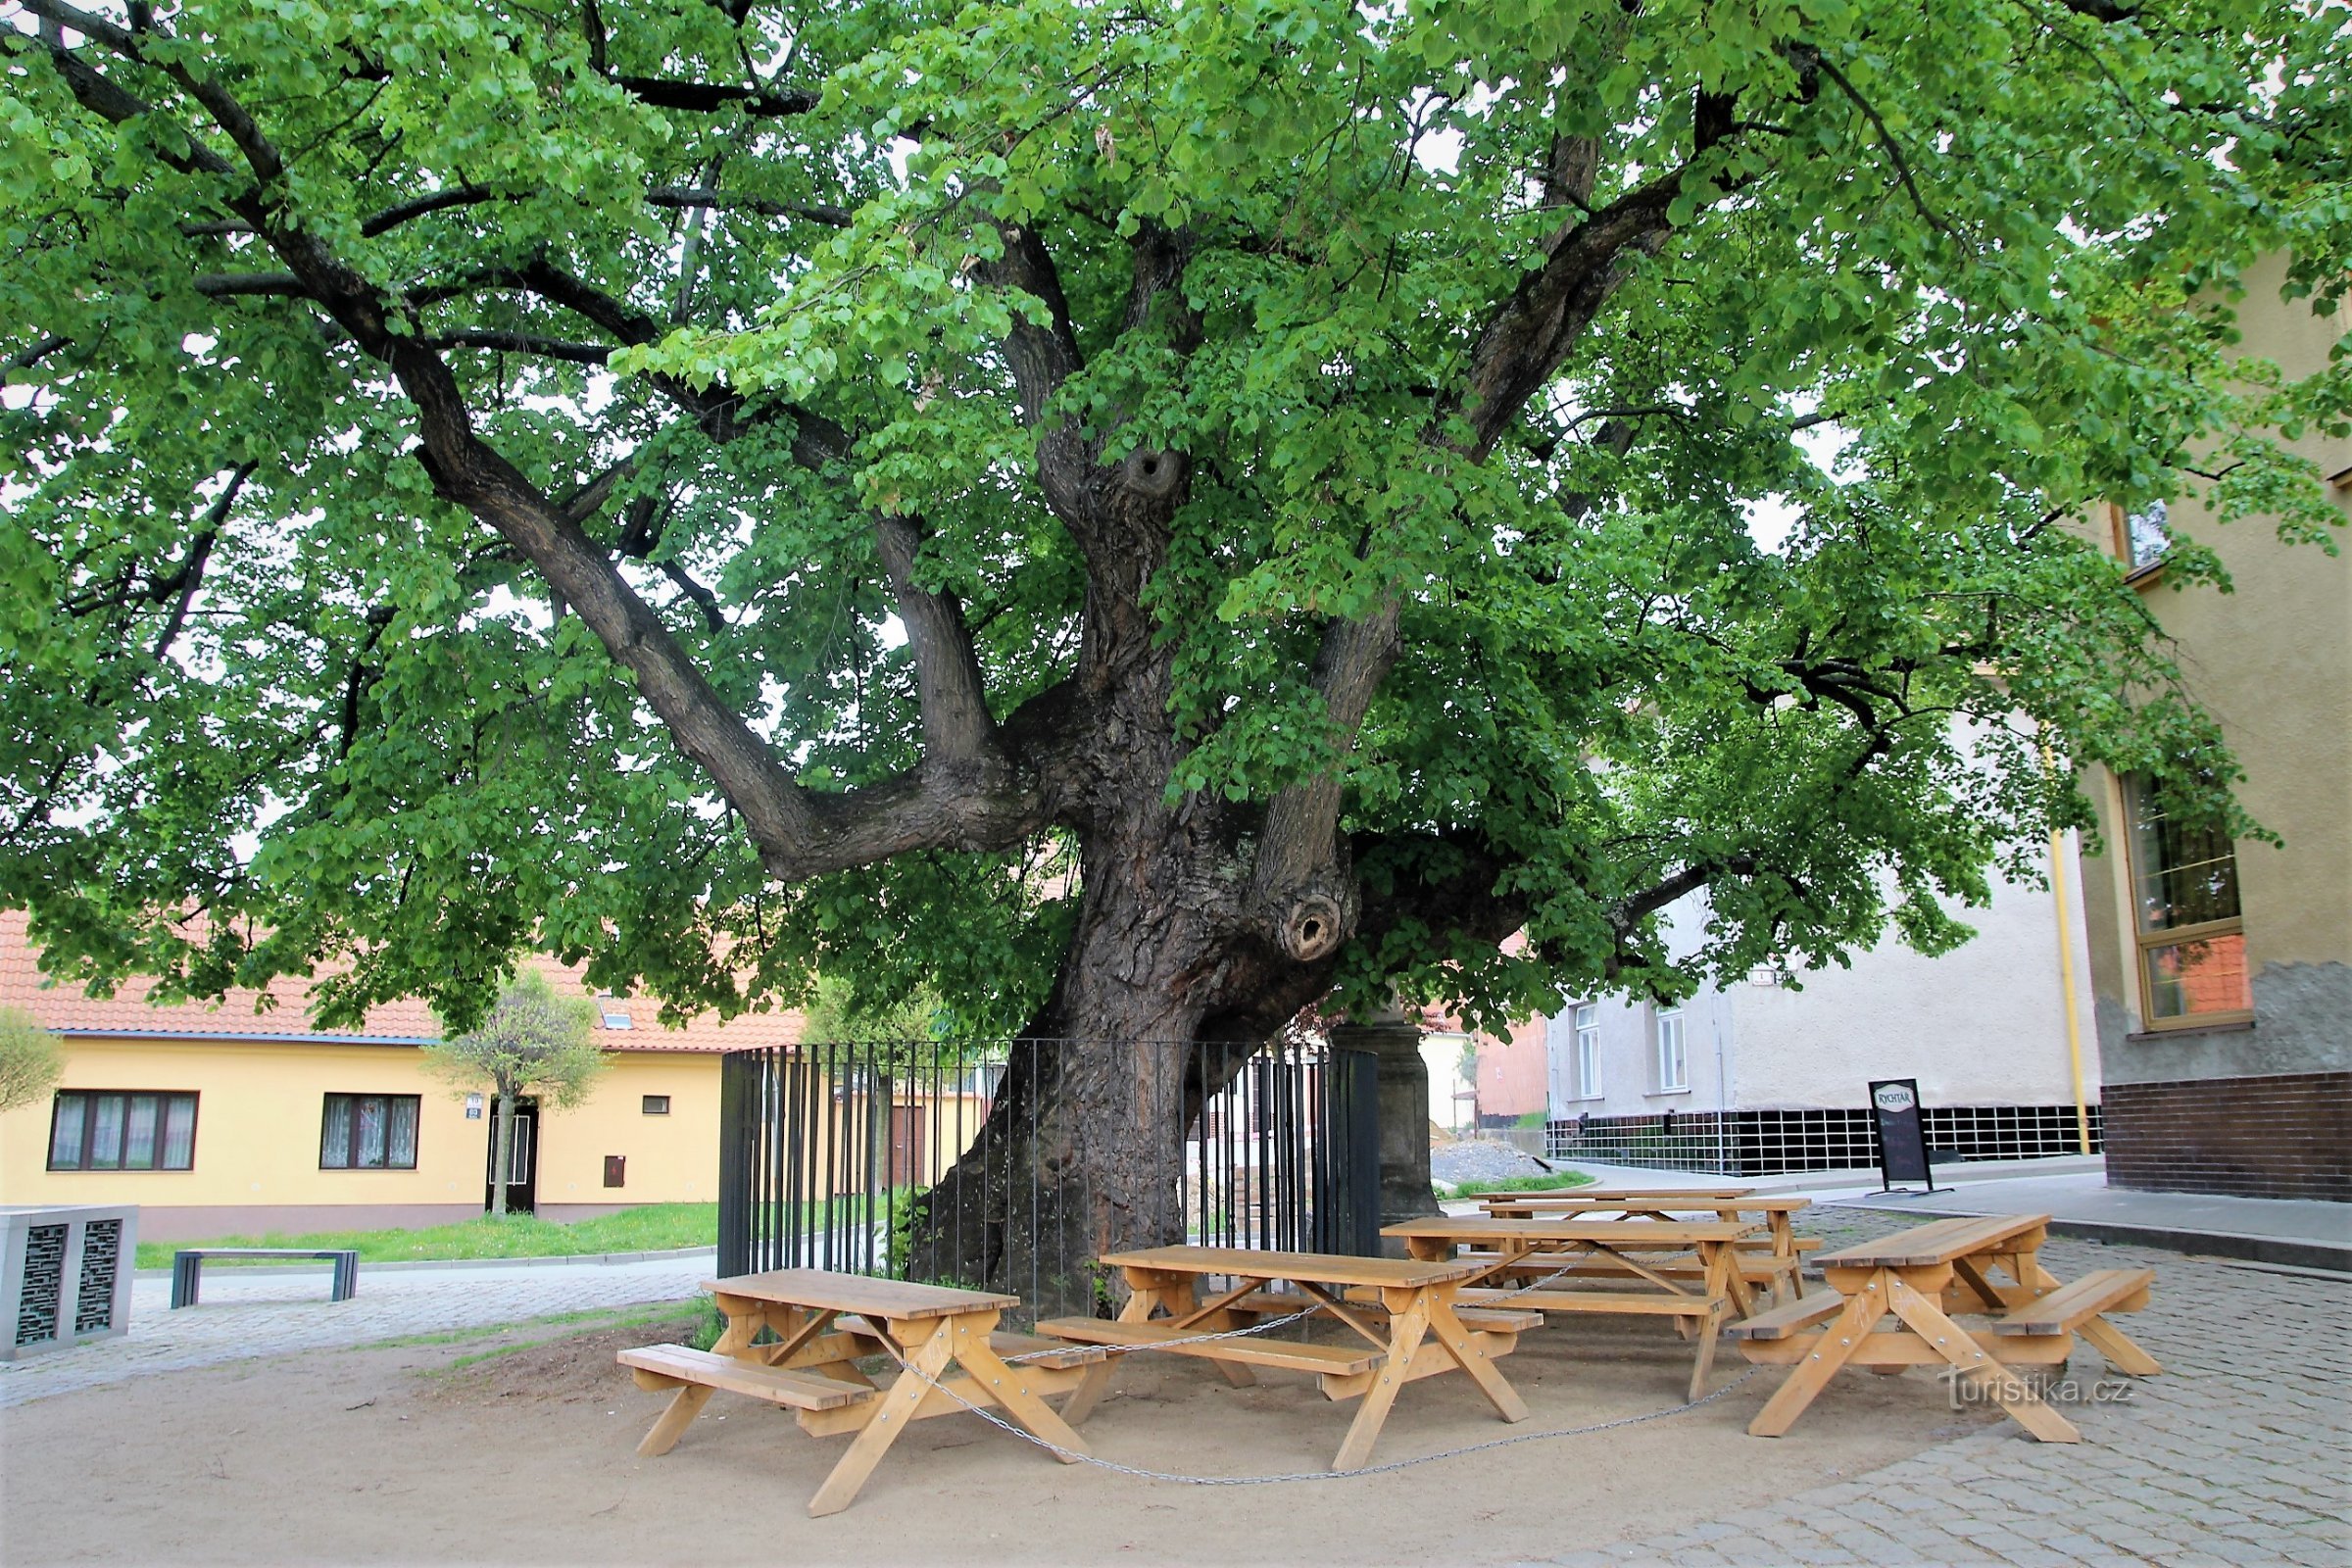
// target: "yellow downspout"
[[2066, 980]]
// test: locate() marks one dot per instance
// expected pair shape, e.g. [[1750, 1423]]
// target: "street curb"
[[2293, 1251], [588, 1259]]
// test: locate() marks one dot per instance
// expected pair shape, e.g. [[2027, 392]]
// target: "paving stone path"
[[2240, 1453], [244, 1310]]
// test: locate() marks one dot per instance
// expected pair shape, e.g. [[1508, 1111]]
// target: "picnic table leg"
[[2121, 1351], [1723, 1274], [1143, 1297], [1787, 1285], [1007, 1386], [1182, 1298], [1405, 1330], [684, 1406], [1838, 1343], [925, 1350], [1481, 1367], [745, 1320], [1092, 1383], [1925, 1318], [1734, 1279], [184, 1275]]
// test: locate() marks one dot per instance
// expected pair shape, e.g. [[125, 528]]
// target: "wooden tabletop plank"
[[1773, 1204], [1629, 1191], [1324, 1268], [861, 1294], [1483, 1228], [1940, 1242]]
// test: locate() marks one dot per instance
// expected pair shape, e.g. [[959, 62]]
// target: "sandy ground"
[[391, 1455]]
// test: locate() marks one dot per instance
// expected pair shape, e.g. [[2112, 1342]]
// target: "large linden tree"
[[1129, 518]]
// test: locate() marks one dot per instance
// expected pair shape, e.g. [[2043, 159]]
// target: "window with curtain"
[[1588, 1051], [2191, 936], [1674, 1061], [121, 1129], [369, 1132], [2145, 534]]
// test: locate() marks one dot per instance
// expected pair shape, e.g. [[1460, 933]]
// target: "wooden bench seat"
[[2069, 1307], [1027, 1348], [1493, 1320], [1639, 1303], [1781, 1321], [1288, 1354], [659, 1366], [1757, 1268]]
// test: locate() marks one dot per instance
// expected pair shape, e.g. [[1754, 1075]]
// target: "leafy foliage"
[[30, 1061], [725, 284], [532, 1042]]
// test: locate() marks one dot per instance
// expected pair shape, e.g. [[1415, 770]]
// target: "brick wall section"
[[2287, 1135]]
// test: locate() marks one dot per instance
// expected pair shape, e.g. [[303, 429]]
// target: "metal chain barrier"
[[1141, 1473]]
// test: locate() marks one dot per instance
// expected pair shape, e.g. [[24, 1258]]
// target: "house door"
[[522, 1169], [906, 1147]]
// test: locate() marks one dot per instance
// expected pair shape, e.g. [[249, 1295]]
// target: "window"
[[369, 1132], [1588, 1051], [2142, 536], [1674, 1061], [656, 1104], [121, 1129], [2192, 942]]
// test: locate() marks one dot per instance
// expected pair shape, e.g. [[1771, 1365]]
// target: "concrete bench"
[[187, 1268]]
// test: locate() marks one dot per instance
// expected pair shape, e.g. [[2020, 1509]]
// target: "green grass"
[[647, 1228], [578, 1323], [1549, 1182], [585, 1317]]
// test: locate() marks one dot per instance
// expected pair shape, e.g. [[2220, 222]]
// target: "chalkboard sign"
[[1902, 1134]]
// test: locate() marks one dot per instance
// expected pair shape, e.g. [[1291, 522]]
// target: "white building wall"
[[1983, 1025], [1629, 1080]]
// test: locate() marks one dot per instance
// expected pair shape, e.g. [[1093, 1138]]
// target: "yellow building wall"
[[2273, 660], [257, 1119], [671, 1160]]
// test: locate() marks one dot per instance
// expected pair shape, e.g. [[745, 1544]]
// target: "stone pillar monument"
[[1395, 1041]]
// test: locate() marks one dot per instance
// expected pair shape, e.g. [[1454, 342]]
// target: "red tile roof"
[[65, 1007]]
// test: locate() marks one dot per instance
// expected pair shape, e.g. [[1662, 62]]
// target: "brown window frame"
[[352, 1137], [2145, 941], [90, 1124], [646, 1104]]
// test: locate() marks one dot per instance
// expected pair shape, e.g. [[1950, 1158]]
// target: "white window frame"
[[1584, 1022], [1674, 1067]]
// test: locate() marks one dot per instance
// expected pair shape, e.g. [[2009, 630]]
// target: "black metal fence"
[[947, 1160], [1763, 1143]]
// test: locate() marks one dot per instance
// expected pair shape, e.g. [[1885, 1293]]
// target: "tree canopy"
[[30, 1060], [728, 490]]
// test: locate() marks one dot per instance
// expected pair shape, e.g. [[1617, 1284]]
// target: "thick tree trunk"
[[1082, 1152], [501, 1161]]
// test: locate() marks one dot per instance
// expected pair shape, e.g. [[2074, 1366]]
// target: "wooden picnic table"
[[1405, 1329], [1890, 1305], [1589, 1193], [1777, 1259], [1560, 1252], [823, 1323]]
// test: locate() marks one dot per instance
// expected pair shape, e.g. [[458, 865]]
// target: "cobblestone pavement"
[[2240, 1453], [245, 1311]]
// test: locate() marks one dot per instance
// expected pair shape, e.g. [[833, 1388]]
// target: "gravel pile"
[[1479, 1159]]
